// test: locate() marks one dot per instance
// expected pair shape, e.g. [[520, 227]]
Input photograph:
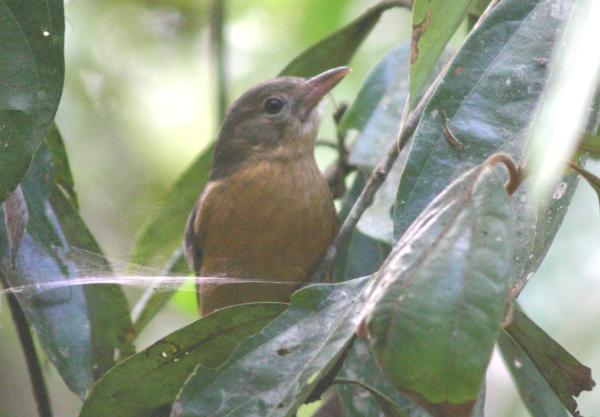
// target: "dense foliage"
[[426, 283]]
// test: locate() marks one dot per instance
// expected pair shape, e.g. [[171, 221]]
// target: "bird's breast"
[[272, 220]]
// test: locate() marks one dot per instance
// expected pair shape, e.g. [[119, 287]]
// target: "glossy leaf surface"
[[31, 82], [153, 377], [80, 328], [564, 373], [274, 372], [439, 298], [489, 96]]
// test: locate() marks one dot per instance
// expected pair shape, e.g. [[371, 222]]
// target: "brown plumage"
[[266, 212]]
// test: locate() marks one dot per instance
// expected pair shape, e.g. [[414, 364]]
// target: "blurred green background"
[[140, 102]]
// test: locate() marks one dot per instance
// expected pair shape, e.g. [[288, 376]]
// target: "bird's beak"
[[319, 85]]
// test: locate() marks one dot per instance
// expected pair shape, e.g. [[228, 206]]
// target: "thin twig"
[[218, 45], [381, 171], [38, 383], [375, 180]]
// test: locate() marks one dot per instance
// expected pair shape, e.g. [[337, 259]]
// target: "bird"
[[266, 213]]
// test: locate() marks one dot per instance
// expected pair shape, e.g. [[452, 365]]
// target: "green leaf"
[[590, 143], [111, 327], [274, 372], [31, 82], [82, 329], [535, 392], [439, 299], [152, 378], [107, 307], [566, 375], [362, 255], [61, 168], [433, 24], [338, 48], [375, 114], [58, 316], [164, 233], [490, 94], [376, 111]]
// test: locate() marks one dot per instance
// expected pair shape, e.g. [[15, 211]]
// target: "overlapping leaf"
[[489, 95], [274, 372], [440, 297], [79, 328], [152, 378], [31, 82], [565, 375], [533, 389]]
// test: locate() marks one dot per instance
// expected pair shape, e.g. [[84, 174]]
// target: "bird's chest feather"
[[272, 220]]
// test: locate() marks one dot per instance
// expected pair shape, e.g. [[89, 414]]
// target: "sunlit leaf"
[[338, 48], [566, 376], [274, 372], [164, 233], [152, 378], [31, 81], [535, 392], [433, 24], [489, 95], [439, 299]]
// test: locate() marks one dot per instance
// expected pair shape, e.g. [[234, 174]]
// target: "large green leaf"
[[274, 372], [489, 96], [81, 329], [565, 375], [433, 24], [440, 297], [338, 48], [533, 389], [164, 233], [31, 81], [152, 378]]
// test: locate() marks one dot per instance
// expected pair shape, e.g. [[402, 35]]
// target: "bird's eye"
[[273, 105]]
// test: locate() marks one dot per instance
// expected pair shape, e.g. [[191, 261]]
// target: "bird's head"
[[277, 119]]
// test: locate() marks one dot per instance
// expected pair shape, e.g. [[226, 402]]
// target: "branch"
[[38, 384], [218, 46], [375, 180]]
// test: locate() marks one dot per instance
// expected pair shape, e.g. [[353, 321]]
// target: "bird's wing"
[[193, 250]]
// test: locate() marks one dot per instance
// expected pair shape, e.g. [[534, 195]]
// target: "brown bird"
[[267, 212]]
